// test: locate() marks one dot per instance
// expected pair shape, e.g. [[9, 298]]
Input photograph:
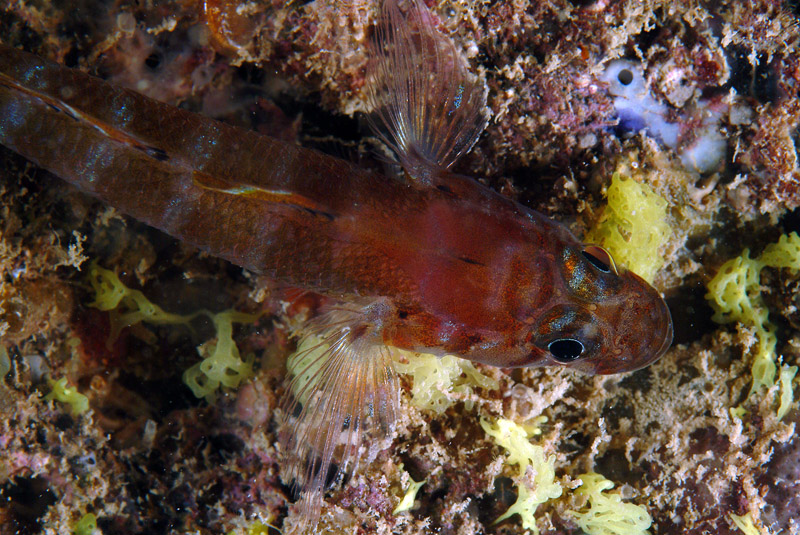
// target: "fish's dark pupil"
[[596, 262], [565, 349], [625, 77]]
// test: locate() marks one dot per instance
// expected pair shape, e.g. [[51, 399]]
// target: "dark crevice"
[[27, 500]]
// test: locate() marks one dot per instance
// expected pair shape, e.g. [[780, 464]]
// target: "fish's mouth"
[[665, 336], [655, 338], [668, 332]]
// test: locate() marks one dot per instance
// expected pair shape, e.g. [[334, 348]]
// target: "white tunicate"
[[636, 108], [638, 111], [706, 152], [740, 114], [625, 80], [587, 141], [126, 23], [149, 434], [37, 365]]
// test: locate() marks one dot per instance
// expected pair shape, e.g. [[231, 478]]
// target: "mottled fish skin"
[[435, 262]]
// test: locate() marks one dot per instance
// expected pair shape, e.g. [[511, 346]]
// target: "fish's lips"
[[647, 322]]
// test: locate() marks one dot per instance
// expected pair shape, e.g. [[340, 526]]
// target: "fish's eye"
[[625, 76], [599, 258], [565, 349]]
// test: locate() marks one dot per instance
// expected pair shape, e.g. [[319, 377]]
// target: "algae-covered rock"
[[687, 441]]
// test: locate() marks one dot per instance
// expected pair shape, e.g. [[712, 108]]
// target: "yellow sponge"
[[441, 381], [126, 306], [745, 524], [87, 525], [607, 514], [221, 364], [407, 501], [68, 394], [735, 295], [529, 458], [633, 227]]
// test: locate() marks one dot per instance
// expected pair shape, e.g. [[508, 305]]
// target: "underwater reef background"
[[697, 100]]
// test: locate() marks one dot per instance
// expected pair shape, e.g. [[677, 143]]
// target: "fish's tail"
[[426, 104], [341, 401]]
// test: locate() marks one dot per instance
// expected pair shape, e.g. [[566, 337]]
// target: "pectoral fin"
[[343, 391]]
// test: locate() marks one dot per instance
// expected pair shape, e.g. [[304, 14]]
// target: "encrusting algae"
[[681, 441]]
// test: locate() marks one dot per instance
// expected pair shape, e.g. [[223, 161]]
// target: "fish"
[[424, 260]]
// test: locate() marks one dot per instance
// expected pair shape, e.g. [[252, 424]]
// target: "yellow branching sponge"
[[221, 364], [735, 295], [257, 528], [407, 501], [536, 476], [633, 227], [125, 306], [439, 382], [63, 393], [606, 513], [87, 525], [745, 524]]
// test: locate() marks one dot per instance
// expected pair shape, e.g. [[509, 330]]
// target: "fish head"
[[602, 319]]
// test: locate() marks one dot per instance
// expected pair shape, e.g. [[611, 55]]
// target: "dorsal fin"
[[425, 104]]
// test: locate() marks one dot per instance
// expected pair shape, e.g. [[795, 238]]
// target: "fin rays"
[[343, 389], [343, 394], [425, 103]]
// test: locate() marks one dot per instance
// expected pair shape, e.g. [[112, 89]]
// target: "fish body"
[[465, 270], [433, 262]]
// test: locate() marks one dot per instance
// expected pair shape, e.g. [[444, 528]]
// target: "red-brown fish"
[[432, 262]]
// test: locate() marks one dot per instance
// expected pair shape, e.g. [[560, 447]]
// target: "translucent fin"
[[343, 396], [426, 105]]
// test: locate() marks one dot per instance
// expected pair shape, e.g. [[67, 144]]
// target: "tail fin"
[[343, 395], [425, 103]]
